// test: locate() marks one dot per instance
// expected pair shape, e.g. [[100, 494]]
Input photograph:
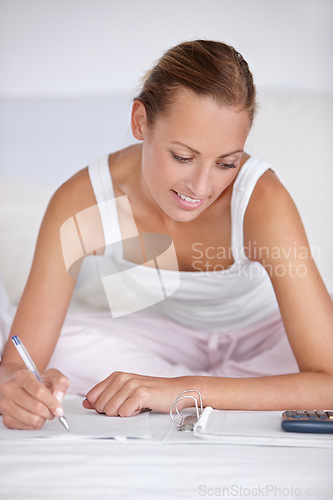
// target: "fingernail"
[[59, 395], [59, 412]]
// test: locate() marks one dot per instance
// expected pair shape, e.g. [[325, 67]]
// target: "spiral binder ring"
[[186, 422]]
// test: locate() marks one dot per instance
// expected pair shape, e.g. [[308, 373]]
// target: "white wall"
[[68, 70], [52, 47]]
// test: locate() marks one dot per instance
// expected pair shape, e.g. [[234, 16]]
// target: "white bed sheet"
[[109, 469], [159, 468], [170, 465]]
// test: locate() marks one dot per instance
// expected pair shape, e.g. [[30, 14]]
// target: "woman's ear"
[[138, 120]]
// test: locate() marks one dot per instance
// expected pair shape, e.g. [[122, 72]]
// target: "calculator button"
[[290, 413], [313, 421], [311, 414], [321, 414]]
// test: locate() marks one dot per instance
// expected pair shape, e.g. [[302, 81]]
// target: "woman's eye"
[[181, 159], [226, 165]]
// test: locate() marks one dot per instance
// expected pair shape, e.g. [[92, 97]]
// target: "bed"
[[43, 142]]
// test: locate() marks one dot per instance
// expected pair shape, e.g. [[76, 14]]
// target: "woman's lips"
[[189, 205]]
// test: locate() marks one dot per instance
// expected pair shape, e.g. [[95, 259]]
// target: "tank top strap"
[[101, 182], [243, 187], [102, 185]]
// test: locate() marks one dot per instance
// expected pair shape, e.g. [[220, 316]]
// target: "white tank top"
[[224, 299]]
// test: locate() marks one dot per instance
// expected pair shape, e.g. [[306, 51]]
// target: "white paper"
[[86, 424], [255, 428]]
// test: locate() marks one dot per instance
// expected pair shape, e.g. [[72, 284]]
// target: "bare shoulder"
[[74, 195], [73, 206], [272, 218]]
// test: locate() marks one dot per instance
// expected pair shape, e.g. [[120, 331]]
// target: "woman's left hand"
[[127, 394]]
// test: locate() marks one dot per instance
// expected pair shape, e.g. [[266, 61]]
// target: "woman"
[[225, 298]]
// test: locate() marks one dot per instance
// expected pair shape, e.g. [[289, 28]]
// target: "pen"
[[32, 368]]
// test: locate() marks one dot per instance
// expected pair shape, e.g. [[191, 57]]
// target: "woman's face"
[[194, 152]]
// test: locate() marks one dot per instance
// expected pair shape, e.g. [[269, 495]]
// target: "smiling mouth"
[[188, 198]]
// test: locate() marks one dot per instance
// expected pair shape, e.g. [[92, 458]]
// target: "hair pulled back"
[[209, 68]]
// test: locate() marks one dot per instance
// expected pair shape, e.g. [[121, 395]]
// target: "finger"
[[29, 383], [33, 406], [135, 403], [12, 423], [87, 405], [99, 388], [23, 390], [130, 399], [57, 382], [18, 417], [110, 402], [118, 387], [20, 405]]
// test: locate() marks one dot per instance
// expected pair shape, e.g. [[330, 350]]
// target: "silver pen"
[[32, 368]]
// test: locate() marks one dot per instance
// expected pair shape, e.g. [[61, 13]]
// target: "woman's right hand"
[[25, 403]]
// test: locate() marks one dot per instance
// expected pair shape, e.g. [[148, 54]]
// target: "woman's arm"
[[273, 223], [127, 394], [275, 237], [24, 402], [274, 233]]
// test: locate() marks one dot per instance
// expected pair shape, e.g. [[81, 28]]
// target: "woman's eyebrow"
[[198, 153]]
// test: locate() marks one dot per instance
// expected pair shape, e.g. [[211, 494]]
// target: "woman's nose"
[[199, 182]]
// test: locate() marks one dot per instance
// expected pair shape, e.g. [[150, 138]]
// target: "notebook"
[[85, 424], [254, 428]]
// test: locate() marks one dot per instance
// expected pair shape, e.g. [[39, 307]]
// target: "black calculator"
[[307, 421]]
